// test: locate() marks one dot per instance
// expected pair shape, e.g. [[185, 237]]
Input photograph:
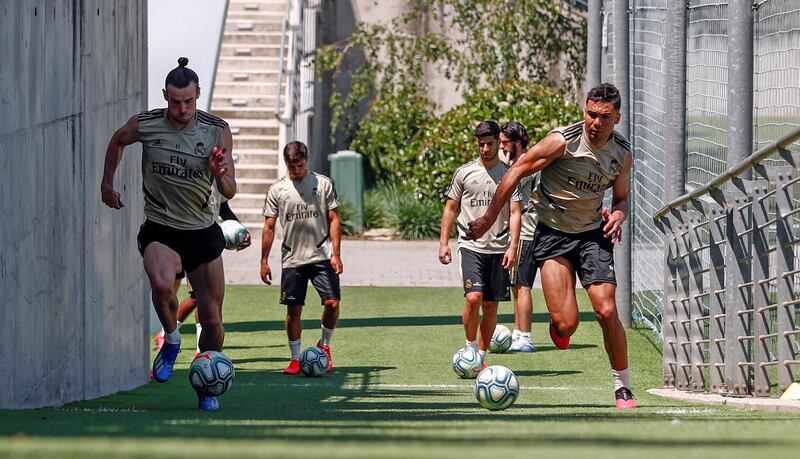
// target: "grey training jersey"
[[473, 186], [177, 181], [569, 195], [302, 208]]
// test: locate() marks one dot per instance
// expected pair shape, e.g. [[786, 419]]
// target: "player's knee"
[[566, 326], [606, 312], [474, 299], [211, 324], [162, 289], [331, 304]]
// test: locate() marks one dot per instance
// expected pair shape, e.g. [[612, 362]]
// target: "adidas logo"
[[157, 143], [475, 181]]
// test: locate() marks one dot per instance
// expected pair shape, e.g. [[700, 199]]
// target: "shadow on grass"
[[409, 321]]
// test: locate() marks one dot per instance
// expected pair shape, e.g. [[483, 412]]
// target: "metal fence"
[[697, 69]]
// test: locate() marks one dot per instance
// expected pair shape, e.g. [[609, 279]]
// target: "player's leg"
[[470, 267], [596, 273], [208, 280], [162, 264], [496, 288], [558, 286], [294, 284], [326, 282], [487, 326], [187, 306], [522, 338]]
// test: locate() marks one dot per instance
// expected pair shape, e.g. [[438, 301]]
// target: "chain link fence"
[[776, 111]]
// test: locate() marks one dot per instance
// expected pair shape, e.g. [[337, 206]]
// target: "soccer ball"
[[313, 361], [501, 339], [234, 234], [211, 373], [467, 363], [496, 388]]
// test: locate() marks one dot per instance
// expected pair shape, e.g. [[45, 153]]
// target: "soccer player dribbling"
[[186, 153], [484, 261], [575, 233], [305, 202]]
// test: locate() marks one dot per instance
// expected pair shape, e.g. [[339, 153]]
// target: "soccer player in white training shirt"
[[306, 205]]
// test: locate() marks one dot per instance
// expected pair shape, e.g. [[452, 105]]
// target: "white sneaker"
[[521, 346]]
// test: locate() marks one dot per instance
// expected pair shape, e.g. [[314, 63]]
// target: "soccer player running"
[[484, 261], [308, 209], [575, 233], [186, 153], [189, 304], [514, 142]]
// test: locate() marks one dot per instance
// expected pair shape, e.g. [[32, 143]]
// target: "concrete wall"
[[73, 294]]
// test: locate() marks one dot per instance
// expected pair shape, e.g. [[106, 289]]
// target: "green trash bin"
[[347, 173]]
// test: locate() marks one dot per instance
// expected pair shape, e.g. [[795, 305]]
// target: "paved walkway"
[[379, 263]]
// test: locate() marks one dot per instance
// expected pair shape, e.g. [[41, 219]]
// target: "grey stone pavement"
[[378, 263]]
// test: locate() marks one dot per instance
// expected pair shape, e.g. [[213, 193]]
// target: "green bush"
[[407, 145], [418, 219], [347, 216]]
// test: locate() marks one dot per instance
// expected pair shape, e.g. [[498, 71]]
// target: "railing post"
[[761, 291], [669, 226], [682, 317], [738, 287], [698, 313], [785, 267], [716, 304]]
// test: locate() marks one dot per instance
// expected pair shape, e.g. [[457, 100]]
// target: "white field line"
[[412, 386]]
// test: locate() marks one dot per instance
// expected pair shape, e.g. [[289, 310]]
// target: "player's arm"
[[124, 136], [515, 226], [619, 202], [221, 164], [449, 214], [537, 158], [226, 213], [267, 237], [335, 227]]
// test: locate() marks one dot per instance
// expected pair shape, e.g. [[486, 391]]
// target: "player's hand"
[[110, 197], [445, 257], [478, 228], [266, 274], [613, 227], [217, 162], [246, 242], [510, 258], [336, 264]]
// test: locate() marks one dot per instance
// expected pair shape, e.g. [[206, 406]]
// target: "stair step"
[[269, 50], [255, 142], [227, 112], [252, 38], [248, 76], [249, 200], [255, 6], [244, 130], [253, 185], [256, 171], [246, 88], [243, 101], [265, 15], [242, 25], [241, 63], [254, 156]]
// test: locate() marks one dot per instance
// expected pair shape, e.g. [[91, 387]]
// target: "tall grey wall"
[[73, 296]]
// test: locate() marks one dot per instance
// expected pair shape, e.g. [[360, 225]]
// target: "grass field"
[[394, 394]]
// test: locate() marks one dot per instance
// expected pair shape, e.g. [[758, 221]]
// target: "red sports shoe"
[[625, 400], [158, 339], [293, 368], [327, 350], [561, 342]]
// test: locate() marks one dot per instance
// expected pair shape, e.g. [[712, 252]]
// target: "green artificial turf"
[[394, 394]]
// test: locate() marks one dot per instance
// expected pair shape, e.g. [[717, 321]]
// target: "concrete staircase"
[[244, 95]]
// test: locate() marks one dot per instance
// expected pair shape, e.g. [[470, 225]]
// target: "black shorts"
[[590, 252], [484, 272], [524, 273], [195, 247], [294, 283]]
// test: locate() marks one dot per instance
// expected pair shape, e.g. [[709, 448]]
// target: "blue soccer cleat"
[[207, 402], [165, 360]]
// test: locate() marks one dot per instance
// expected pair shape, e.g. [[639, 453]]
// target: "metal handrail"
[[282, 72], [732, 172]]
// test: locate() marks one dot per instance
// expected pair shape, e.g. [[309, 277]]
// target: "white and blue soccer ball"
[[467, 363], [211, 373], [501, 339], [496, 388], [234, 233], [314, 361]]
